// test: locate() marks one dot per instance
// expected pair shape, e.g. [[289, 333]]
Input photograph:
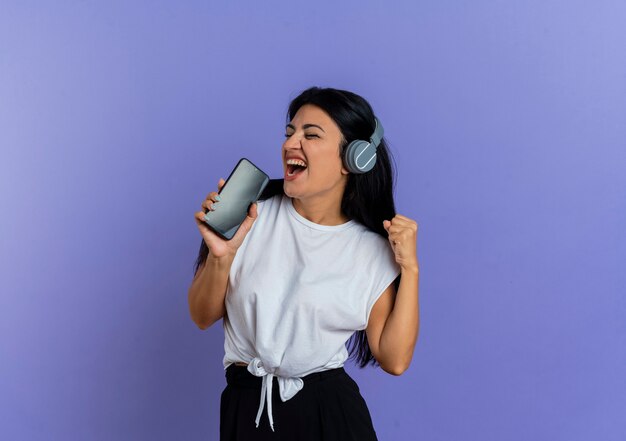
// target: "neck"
[[322, 210]]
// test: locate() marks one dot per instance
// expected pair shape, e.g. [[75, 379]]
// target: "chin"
[[289, 192]]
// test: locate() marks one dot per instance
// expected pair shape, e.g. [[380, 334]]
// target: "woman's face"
[[314, 138]]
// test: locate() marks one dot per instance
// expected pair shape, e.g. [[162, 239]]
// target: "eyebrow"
[[306, 126]]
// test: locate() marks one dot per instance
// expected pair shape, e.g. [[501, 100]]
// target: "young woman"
[[322, 264]]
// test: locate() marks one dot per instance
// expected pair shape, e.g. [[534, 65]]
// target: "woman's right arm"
[[207, 292]]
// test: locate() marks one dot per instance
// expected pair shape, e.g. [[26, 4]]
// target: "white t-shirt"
[[297, 291]]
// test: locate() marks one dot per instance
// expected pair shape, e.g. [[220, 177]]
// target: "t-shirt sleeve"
[[259, 206], [384, 272]]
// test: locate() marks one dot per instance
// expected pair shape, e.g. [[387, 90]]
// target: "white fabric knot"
[[287, 386]]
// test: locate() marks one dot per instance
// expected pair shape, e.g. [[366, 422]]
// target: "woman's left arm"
[[393, 325]]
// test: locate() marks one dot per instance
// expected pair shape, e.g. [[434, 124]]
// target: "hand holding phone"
[[218, 246], [228, 215]]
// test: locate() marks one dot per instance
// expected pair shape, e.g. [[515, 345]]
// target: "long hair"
[[367, 198]]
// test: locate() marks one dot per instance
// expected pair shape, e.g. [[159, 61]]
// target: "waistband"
[[240, 376], [255, 376]]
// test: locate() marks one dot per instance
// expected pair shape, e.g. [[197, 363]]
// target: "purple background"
[[508, 124]]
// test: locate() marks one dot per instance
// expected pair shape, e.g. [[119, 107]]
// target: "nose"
[[292, 142]]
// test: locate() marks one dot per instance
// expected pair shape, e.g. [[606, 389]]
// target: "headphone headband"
[[377, 136]]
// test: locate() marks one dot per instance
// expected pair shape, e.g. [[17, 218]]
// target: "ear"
[[344, 170]]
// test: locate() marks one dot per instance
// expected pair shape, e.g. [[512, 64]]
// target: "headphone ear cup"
[[359, 156]]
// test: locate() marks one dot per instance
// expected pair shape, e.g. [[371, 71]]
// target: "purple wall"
[[507, 121]]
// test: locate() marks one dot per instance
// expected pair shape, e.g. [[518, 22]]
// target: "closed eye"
[[310, 135]]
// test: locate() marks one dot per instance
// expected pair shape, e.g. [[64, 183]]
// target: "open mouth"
[[295, 166]]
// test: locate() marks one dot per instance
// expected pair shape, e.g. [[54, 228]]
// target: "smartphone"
[[243, 187]]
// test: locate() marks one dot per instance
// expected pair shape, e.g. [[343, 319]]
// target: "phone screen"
[[243, 187]]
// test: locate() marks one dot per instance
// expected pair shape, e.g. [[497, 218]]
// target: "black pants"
[[328, 408]]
